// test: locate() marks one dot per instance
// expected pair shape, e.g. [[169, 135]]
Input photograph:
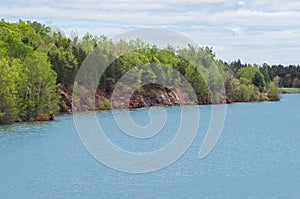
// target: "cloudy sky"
[[256, 31]]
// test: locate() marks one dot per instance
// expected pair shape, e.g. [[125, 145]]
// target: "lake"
[[257, 156]]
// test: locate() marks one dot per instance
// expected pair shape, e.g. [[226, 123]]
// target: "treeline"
[[289, 76], [37, 63]]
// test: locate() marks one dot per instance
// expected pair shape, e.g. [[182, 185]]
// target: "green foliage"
[[273, 92], [288, 81], [40, 94], [28, 88], [265, 72], [248, 72], [63, 60], [259, 81], [287, 74], [104, 104], [8, 92], [243, 92]]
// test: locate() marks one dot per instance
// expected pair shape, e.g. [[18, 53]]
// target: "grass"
[[289, 90]]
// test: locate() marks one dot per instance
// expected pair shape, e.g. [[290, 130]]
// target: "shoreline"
[[135, 108], [289, 90]]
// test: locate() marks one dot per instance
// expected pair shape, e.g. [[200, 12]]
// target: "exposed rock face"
[[161, 97], [155, 96], [137, 101], [66, 100]]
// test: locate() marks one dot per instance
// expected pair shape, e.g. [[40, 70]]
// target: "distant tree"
[[273, 92], [296, 82], [287, 81], [248, 72], [259, 81], [265, 72], [286, 74]]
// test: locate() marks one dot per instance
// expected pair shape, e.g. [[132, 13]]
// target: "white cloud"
[[241, 3]]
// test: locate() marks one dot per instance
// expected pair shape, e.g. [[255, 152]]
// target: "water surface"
[[257, 156]]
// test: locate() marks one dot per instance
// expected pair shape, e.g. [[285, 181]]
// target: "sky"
[[255, 31]]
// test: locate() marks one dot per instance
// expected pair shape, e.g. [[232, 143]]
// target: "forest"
[[38, 64]]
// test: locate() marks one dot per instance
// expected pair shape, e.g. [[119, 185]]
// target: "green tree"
[[248, 72], [259, 81], [40, 97], [265, 72], [63, 61], [8, 92], [288, 80], [28, 85], [273, 92]]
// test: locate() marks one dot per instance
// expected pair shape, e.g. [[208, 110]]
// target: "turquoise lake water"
[[257, 156]]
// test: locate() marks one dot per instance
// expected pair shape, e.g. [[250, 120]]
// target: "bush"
[[104, 104]]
